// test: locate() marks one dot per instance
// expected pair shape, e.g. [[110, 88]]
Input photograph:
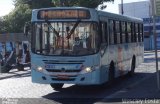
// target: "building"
[[143, 10]]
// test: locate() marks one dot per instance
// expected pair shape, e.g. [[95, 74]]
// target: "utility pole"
[[155, 40], [122, 12]]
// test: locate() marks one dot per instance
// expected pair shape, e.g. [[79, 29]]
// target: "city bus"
[[83, 46]]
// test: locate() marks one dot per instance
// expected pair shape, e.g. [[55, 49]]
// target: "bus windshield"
[[65, 38]]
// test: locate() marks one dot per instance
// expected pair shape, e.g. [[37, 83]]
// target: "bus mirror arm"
[[103, 49], [72, 30], [54, 30]]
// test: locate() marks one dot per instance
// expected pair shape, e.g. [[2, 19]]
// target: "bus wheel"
[[57, 86], [111, 73], [20, 67], [133, 66]]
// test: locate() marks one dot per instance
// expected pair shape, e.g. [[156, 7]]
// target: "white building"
[[136, 9], [143, 10]]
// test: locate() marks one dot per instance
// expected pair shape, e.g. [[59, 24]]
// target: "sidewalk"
[[15, 73]]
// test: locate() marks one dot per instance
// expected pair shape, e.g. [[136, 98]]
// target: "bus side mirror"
[[27, 28]]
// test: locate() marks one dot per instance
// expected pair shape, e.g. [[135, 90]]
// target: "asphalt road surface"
[[19, 89]]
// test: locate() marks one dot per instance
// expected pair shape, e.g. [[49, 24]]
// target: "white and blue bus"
[[76, 45]]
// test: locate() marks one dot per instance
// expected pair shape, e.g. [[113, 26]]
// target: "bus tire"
[[20, 67], [111, 74], [133, 66], [57, 86]]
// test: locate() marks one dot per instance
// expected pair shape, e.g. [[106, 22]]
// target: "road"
[[24, 91]]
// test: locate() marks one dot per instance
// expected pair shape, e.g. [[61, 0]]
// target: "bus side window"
[[114, 32], [129, 31], [136, 38], [104, 32], [142, 36], [118, 32], [120, 26], [126, 32], [139, 32], [123, 32], [132, 32], [111, 33]]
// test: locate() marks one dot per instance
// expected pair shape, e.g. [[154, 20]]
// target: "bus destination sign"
[[63, 14]]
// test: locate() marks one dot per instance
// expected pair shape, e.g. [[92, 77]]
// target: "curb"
[[14, 74]]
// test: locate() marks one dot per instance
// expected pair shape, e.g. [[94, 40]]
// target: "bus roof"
[[119, 16], [62, 8], [93, 12]]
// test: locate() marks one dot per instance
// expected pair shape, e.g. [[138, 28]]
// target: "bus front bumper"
[[90, 78]]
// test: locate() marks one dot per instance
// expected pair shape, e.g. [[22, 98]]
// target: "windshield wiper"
[[72, 30], [54, 30]]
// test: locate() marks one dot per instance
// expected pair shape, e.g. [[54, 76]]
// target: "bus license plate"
[[63, 77]]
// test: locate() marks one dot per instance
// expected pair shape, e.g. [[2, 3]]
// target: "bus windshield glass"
[[65, 38]]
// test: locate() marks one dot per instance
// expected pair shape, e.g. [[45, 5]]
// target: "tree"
[[55, 3], [82, 3], [40, 4], [15, 20], [18, 17], [2, 25]]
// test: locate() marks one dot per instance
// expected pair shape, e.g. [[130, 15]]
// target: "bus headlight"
[[88, 69], [40, 68]]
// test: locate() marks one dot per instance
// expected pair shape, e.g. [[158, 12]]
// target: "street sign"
[[157, 5]]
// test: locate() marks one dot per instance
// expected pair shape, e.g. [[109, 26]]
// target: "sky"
[[113, 6], [7, 6]]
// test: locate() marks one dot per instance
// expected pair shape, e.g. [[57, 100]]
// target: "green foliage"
[[2, 25], [55, 3], [19, 2], [82, 3], [15, 20], [41, 4]]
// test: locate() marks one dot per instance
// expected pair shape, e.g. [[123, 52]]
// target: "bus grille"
[[56, 70], [80, 62], [63, 62]]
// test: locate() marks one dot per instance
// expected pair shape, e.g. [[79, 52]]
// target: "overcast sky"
[[113, 7], [5, 7]]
